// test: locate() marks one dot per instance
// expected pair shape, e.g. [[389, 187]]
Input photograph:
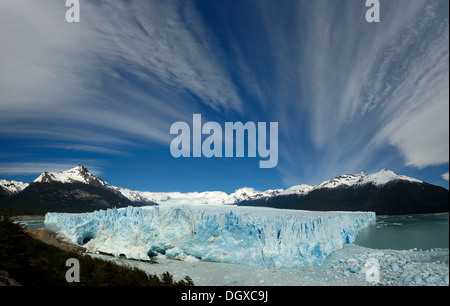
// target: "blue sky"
[[348, 95]]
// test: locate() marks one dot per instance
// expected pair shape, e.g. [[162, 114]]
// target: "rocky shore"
[[55, 239]]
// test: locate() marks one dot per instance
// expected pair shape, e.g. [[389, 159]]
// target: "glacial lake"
[[406, 232], [32, 223], [389, 232]]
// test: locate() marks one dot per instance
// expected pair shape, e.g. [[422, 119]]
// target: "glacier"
[[254, 236]]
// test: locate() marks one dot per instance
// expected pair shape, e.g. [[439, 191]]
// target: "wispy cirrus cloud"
[[348, 95], [415, 102], [129, 67], [364, 88], [88, 148], [33, 168]]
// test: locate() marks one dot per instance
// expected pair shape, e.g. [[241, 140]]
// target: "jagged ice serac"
[[244, 235]]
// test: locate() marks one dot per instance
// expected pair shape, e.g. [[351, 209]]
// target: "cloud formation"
[[365, 87], [348, 95], [30, 168], [133, 67]]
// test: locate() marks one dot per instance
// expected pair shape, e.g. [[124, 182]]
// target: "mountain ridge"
[[82, 174], [395, 197], [75, 190], [86, 183]]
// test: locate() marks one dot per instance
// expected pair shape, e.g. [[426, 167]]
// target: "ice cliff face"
[[246, 235]]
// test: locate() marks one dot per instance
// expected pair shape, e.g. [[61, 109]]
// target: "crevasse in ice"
[[246, 235]]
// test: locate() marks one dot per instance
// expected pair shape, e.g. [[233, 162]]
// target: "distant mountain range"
[[77, 190], [9, 189], [384, 192]]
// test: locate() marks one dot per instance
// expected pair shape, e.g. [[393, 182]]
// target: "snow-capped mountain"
[[379, 178], [362, 192], [74, 190], [81, 174], [300, 189], [12, 187], [8, 189], [325, 195], [78, 174], [249, 194], [206, 197], [383, 192]]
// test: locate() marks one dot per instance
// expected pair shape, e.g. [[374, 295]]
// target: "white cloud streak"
[[416, 110], [130, 67], [87, 148], [366, 87], [30, 168], [342, 90]]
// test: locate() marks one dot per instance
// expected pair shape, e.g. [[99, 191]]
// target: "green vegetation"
[[34, 263]]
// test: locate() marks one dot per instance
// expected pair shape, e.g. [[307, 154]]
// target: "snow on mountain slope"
[[385, 176], [78, 174], [379, 178], [13, 187], [301, 189], [345, 180], [206, 197], [176, 198], [246, 235], [81, 175]]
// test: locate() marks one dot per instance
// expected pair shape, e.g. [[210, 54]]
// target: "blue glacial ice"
[[245, 235]]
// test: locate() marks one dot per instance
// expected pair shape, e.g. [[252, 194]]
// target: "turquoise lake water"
[[406, 232]]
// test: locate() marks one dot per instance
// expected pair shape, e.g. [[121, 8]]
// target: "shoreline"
[[22, 217], [344, 267], [53, 238]]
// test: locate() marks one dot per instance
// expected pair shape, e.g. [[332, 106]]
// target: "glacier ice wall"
[[246, 235]]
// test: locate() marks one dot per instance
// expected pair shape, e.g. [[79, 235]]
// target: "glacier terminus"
[[256, 236]]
